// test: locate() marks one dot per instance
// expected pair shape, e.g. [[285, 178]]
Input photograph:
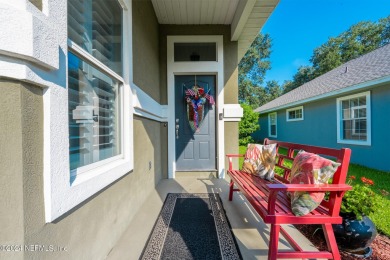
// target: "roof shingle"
[[371, 66]]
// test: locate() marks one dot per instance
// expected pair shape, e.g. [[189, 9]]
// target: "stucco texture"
[[88, 231], [146, 49], [21, 145]]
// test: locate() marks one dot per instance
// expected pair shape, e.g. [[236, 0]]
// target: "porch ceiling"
[[246, 17]]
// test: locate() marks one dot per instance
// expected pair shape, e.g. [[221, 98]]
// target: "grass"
[[381, 179]]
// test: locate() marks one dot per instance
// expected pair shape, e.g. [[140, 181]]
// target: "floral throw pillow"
[[260, 160], [309, 168]]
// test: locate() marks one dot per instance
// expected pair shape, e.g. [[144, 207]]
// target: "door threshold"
[[199, 174]]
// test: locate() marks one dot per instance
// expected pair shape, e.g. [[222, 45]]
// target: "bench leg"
[[231, 190], [331, 241], [273, 241]]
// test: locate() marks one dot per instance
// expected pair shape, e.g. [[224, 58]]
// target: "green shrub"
[[248, 125]]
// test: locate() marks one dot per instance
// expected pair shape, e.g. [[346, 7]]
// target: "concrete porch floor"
[[249, 230]]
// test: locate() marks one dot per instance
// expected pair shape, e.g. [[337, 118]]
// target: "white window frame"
[[288, 119], [367, 142], [276, 124], [60, 193]]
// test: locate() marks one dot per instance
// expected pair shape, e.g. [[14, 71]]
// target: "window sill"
[[363, 143], [293, 120], [86, 173], [66, 195]]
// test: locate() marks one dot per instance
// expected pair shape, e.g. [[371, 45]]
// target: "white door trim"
[[199, 67]]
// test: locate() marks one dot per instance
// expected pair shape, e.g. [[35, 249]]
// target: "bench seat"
[[271, 201]]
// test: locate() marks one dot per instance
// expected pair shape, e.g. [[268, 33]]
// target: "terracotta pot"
[[355, 235]]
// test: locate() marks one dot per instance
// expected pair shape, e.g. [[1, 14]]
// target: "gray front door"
[[195, 148]]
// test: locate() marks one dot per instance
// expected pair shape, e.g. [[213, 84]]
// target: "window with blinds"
[[96, 26], [93, 94], [93, 114]]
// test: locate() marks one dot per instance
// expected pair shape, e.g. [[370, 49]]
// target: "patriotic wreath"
[[196, 99]]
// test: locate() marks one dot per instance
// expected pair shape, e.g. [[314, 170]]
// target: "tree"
[[385, 35], [303, 75], [358, 40], [273, 90], [252, 69], [250, 94], [326, 57], [249, 124]]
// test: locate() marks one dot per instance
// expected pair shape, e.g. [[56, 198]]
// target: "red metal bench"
[[271, 202]]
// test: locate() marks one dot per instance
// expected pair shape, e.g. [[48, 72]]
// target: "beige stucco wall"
[[20, 157], [146, 48], [146, 71], [91, 229]]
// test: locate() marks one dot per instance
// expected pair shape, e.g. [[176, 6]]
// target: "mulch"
[[380, 246]]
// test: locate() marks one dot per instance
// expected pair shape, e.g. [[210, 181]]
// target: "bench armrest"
[[230, 157], [275, 188]]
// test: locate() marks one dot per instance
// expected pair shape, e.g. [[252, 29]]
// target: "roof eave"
[[360, 86]]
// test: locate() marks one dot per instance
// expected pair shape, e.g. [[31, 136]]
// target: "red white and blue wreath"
[[196, 98]]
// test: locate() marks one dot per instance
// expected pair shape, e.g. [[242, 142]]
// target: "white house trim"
[[361, 86], [241, 16], [147, 107], [232, 112], [183, 68], [34, 38]]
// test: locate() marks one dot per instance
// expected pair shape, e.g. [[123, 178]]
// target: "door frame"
[[199, 68]]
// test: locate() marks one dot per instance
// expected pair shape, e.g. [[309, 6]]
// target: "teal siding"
[[319, 128]]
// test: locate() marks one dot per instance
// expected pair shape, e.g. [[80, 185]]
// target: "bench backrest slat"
[[340, 155]]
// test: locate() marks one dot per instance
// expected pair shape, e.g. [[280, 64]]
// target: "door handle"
[[177, 131]]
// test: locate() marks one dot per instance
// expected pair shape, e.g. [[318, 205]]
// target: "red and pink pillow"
[[309, 168]]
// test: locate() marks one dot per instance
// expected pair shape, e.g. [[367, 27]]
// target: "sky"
[[297, 27]]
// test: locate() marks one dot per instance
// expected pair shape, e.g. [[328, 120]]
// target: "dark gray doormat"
[[191, 226]]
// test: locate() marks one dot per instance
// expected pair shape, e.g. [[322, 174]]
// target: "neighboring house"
[[92, 93], [348, 106]]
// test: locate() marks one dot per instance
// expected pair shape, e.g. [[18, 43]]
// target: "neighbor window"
[[272, 122], [353, 113], [94, 81], [294, 114]]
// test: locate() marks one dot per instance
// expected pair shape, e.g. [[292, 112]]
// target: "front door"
[[195, 129]]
